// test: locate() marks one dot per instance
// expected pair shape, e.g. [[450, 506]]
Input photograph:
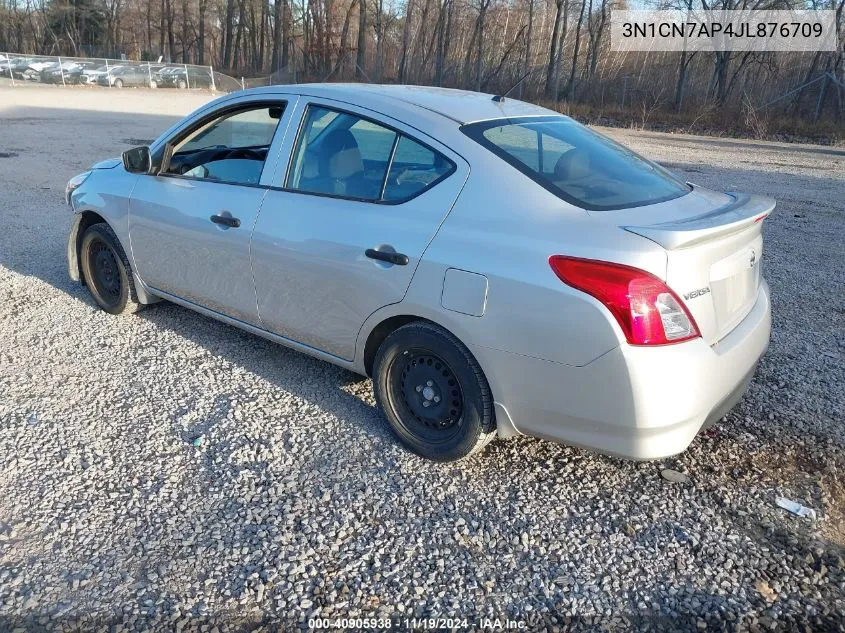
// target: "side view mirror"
[[138, 160]]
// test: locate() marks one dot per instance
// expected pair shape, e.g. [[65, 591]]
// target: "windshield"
[[576, 164]]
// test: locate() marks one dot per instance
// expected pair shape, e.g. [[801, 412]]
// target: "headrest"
[[340, 156], [572, 165]]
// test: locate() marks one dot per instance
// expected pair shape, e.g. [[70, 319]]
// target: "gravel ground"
[[167, 472]]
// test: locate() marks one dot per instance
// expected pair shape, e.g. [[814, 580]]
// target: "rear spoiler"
[[735, 216]]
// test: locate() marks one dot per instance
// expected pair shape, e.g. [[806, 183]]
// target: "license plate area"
[[734, 282]]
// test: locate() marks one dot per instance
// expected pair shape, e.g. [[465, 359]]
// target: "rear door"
[[190, 226], [350, 214]]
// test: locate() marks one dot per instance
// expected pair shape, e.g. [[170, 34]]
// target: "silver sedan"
[[497, 268]]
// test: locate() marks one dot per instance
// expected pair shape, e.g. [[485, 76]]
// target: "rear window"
[[576, 164]]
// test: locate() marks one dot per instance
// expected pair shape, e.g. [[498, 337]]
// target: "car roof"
[[461, 106]]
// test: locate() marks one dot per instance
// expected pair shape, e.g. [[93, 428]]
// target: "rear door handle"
[[387, 256], [226, 220]]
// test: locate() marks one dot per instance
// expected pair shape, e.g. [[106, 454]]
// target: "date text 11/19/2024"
[[408, 623]]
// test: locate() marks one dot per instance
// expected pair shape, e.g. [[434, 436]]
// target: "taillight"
[[648, 312]]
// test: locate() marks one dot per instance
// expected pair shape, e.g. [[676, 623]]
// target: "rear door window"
[[338, 153], [341, 154], [576, 164]]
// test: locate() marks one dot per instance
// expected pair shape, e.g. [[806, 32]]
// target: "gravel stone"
[[674, 476]]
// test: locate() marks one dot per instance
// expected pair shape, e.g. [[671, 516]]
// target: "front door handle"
[[387, 256], [226, 220]]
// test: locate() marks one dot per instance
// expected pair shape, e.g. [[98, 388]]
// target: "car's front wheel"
[[118, 83], [433, 393], [106, 271]]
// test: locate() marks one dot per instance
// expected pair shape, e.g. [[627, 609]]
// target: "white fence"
[[113, 73]]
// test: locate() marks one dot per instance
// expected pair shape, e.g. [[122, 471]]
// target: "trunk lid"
[[714, 248]]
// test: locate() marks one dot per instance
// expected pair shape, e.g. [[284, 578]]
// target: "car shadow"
[[272, 362]]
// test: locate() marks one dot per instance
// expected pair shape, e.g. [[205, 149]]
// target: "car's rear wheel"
[[106, 271], [181, 84], [433, 393]]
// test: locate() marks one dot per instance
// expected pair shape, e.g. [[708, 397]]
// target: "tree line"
[[559, 48]]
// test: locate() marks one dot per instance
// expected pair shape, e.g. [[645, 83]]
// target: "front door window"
[[231, 148]]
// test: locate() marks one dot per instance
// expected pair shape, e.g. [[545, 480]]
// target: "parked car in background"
[[28, 68], [16, 66], [68, 73], [53, 74], [6, 67], [42, 64], [92, 75], [34, 70], [493, 265], [176, 77], [74, 75], [126, 77], [163, 78]]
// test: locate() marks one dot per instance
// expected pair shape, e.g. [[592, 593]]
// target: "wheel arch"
[[381, 331], [385, 324], [82, 221]]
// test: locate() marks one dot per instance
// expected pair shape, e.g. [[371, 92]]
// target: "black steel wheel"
[[106, 270], [433, 393], [106, 274]]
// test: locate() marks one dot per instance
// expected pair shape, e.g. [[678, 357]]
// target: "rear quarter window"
[[413, 169]]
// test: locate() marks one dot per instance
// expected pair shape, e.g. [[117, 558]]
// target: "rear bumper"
[[635, 402]]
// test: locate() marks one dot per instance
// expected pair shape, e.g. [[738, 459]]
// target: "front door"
[[190, 225], [342, 232]]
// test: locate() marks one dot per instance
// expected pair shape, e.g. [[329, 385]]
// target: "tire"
[[181, 84], [118, 83], [153, 84], [106, 271], [422, 363]]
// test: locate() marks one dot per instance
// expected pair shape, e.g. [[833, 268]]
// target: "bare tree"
[[361, 57], [406, 39], [556, 48], [477, 44], [529, 38], [570, 85], [596, 27]]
